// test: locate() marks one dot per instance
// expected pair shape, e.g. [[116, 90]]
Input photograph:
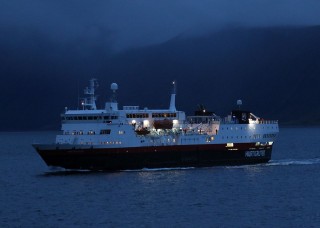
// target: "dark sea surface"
[[283, 193]]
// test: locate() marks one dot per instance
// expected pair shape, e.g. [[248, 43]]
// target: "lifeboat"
[[163, 124]]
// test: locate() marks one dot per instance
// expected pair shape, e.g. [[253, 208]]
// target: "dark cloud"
[[132, 23], [49, 49]]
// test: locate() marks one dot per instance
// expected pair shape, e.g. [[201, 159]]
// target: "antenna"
[[78, 94], [172, 106], [239, 103], [91, 100], [174, 87], [114, 88], [113, 105]]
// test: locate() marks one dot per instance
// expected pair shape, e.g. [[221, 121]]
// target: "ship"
[[131, 138]]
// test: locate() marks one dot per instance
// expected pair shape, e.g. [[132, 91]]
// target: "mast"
[[173, 98], [90, 102]]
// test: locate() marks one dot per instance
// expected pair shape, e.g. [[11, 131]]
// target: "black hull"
[[113, 159]]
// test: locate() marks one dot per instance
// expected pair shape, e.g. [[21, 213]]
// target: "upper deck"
[[131, 123]]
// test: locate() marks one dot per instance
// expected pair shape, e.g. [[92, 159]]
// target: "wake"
[[286, 162], [157, 169]]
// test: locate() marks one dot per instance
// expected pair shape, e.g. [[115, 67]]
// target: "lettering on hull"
[[255, 153]]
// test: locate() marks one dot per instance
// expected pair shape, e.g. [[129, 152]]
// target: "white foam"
[[157, 169], [312, 161]]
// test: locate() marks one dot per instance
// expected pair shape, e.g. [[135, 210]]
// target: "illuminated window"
[[163, 115], [209, 139], [229, 145]]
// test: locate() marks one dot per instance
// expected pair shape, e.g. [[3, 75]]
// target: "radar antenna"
[[114, 88], [239, 103]]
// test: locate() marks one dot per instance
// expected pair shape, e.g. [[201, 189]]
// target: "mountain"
[[275, 71]]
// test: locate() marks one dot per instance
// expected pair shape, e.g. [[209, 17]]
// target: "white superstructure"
[[131, 126]]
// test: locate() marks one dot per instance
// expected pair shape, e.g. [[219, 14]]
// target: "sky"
[[47, 45], [132, 23]]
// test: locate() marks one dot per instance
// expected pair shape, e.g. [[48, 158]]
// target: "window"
[[256, 136], [229, 145], [105, 132], [137, 115], [164, 115]]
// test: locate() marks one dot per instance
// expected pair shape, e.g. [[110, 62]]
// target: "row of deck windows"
[[269, 135], [137, 115], [91, 132], [89, 117], [245, 128], [128, 115], [164, 115], [255, 136], [146, 115], [111, 142]]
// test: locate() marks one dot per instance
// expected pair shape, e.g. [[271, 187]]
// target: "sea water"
[[282, 193]]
